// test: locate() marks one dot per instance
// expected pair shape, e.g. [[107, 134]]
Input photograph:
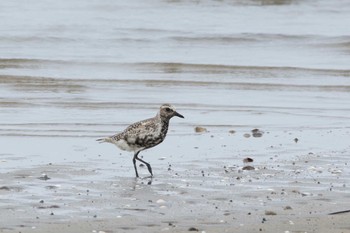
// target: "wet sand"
[[200, 184]]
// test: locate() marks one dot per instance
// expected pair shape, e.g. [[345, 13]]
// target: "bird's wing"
[[139, 127], [134, 130]]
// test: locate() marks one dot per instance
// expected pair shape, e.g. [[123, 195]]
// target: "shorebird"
[[144, 134]]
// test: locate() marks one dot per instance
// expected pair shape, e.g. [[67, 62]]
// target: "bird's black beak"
[[178, 115]]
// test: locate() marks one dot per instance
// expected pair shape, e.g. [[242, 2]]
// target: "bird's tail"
[[101, 140]]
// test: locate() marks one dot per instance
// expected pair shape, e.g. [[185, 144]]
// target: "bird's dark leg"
[[147, 164], [134, 161]]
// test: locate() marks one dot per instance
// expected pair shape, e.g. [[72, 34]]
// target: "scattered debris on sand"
[[248, 160], [248, 168], [257, 133], [199, 129]]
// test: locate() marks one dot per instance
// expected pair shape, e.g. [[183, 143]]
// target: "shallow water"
[[73, 71], [231, 63]]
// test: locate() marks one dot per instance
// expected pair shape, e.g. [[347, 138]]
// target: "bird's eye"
[[168, 109]]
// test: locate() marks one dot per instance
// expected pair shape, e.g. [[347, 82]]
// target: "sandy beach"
[[201, 183], [264, 87]]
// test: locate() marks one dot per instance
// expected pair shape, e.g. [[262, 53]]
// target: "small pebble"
[[269, 212], [248, 160], [248, 168], [193, 229], [257, 133], [44, 177], [199, 129], [305, 194], [160, 201]]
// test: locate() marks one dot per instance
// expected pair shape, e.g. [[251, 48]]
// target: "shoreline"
[[95, 191]]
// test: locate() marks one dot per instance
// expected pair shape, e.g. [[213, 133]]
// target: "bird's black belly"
[[149, 141]]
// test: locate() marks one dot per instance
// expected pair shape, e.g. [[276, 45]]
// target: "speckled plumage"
[[144, 134]]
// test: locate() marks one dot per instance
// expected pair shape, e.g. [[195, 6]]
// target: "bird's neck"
[[164, 122], [165, 125]]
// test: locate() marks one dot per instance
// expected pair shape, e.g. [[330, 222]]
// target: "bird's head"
[[167, 111]]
